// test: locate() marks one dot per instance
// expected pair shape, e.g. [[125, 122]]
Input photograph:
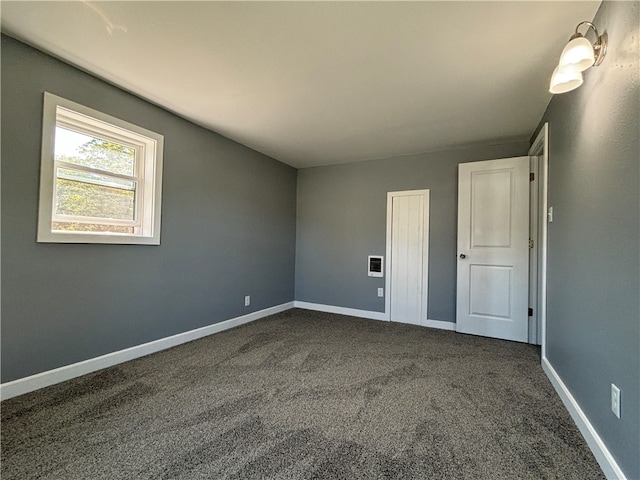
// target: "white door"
[[407, 254], [493, 248]]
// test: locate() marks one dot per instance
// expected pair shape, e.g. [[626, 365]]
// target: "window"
[[100, 179]]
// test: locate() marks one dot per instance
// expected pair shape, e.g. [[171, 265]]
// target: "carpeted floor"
[[304, 395]]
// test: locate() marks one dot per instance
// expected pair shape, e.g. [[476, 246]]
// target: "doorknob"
[[463, 256]]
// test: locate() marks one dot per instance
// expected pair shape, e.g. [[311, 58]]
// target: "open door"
[[493, 248]]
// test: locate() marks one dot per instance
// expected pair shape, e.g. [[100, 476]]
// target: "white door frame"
[[538, 289], [425, 266], [534, 221]]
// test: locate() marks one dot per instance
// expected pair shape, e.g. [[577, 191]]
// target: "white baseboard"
[[57, 375], [606, 461], [440, 324], [341, 310], [367, 314]]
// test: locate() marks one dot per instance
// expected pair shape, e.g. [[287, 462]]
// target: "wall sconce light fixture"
[[577, 56]]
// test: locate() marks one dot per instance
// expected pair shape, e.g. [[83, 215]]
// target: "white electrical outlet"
[[550, 215], [381, 292], [247, 301], [615, 400]]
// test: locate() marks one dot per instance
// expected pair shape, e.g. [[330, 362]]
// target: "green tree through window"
[[83, 193]]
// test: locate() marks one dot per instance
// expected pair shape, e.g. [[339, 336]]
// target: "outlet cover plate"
[[615, 400]]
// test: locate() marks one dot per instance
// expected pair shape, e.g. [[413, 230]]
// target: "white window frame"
[[148, 145]]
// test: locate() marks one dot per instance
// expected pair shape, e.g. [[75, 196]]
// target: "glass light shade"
[[577, 56], [562, 82]]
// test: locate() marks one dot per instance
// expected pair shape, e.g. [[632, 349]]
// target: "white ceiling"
[[317, 83]]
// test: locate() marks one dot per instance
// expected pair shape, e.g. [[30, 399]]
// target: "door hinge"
[[532, 176], [530, 243], [530, 312]]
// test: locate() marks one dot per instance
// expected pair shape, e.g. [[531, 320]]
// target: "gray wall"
[[228, 230], [593, 326], [342, 212]]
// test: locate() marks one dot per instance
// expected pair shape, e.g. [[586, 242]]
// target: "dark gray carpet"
[[304, 395]]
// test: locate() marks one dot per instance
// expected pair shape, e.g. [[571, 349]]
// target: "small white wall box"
[[375, 266]]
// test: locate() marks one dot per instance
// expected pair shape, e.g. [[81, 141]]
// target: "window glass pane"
[[93, 195], [90, 227], [81, 149]]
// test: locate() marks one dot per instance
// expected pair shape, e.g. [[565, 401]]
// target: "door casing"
[[539, 155]]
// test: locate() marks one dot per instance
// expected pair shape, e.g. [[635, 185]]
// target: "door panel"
[[493, 248], [491, 205], [490, 291]]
